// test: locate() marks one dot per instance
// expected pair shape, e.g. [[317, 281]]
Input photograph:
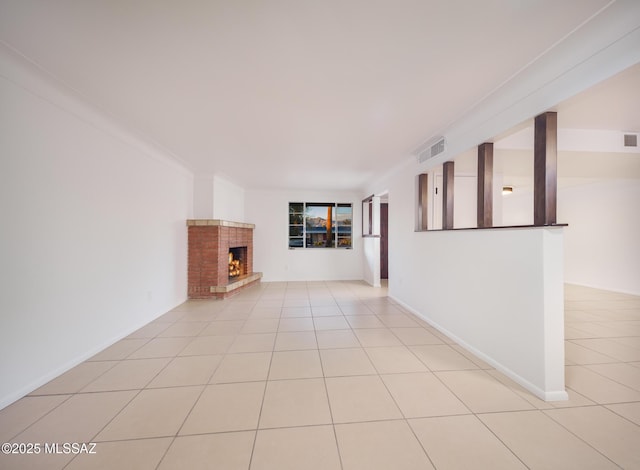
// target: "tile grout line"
[[475, 415], [406, 420], [145, 388], [326, 391], [186, 416], [586, 366], [264, 394], [578, 437]]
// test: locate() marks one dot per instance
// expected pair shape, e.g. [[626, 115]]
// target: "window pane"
[[318, 215], [344, 216], [320, 220], [295, 242], [296, 207], [296, 227], [344, 242]]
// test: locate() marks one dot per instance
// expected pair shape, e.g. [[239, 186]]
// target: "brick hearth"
[[209, 243]]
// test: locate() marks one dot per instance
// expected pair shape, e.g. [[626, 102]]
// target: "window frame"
[[301, 236]]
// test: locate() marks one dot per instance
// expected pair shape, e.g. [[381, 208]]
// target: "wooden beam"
[[447, 195], [545, 170], [423, 197], [485, 185]]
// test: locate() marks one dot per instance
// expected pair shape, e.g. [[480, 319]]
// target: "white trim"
[[21, 72]]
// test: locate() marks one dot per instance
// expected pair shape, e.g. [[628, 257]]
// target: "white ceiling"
[[590, 141], [295, 93]]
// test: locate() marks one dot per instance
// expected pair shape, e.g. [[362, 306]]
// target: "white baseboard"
[[610, 289], [40, 381], [552, 395]]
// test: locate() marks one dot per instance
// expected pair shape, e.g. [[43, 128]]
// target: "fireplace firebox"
[[237, 263]]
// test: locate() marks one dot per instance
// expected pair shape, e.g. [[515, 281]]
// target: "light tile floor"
[[334, 375]]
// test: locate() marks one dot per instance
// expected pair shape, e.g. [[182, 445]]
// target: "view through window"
[[320, 225]]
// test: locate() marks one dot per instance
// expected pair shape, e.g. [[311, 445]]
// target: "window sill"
[[319, 248]]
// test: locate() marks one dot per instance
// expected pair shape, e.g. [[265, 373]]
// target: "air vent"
[[631, 140], [430, 149]]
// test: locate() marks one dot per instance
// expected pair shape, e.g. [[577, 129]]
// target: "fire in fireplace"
[[236, 262]]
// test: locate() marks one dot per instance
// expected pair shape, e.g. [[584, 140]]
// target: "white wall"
[[203, 197], [517, 207], [602, 239], [93, 238], [215, 197], [269, 211], [228, 200], [498, 292], [371, 265]]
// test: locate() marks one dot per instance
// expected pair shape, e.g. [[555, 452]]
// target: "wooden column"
[[447, 196], [423, 197], [545, 173], [485, 185]]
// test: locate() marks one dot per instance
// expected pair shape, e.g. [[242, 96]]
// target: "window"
[[320, 225]]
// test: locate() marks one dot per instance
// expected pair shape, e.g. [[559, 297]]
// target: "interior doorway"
[[375, 235]]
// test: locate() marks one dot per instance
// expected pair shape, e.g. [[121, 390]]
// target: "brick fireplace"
[[220, 258]]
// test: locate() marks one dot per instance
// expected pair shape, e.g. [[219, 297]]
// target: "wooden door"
[[384, 241]]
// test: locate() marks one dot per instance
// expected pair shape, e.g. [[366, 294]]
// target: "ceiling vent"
[[630, 140], [430, 149]]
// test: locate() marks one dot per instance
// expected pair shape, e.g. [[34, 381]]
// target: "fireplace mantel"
[[218, 223], [210, 241]]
